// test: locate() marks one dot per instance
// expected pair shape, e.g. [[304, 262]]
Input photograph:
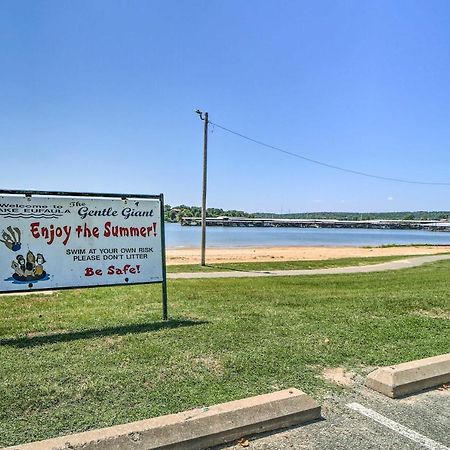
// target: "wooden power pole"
[[205, 178]]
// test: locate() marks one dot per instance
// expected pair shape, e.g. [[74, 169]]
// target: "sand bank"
[[218, 255]]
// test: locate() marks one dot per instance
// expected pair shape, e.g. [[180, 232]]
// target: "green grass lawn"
[[283, 265], [83, 359]]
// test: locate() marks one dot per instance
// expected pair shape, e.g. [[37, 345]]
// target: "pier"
[[427, 225]]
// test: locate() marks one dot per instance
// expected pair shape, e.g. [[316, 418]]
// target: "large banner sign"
[[51, 242]]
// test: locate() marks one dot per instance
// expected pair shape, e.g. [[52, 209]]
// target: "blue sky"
[[99, 96]]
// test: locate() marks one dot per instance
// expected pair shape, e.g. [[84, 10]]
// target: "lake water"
[[178, 236]]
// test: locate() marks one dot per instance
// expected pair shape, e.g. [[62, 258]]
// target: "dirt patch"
[[46, 333], [110, 341], [209, 363], [339, 376], [434, 313]]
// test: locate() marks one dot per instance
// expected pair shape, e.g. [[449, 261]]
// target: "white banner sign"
[[59, 241]]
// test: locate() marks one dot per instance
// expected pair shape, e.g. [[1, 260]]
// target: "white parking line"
[[400, 429]]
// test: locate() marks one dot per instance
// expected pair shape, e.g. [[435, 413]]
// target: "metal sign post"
[[163, 257]]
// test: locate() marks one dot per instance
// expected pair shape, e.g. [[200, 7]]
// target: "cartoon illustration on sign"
[[12, 239], [26, 269], [31, 269]]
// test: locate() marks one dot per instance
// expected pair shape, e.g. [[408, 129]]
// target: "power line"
[[330, 166]]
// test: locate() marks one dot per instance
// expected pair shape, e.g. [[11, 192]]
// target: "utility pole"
[[205, 176]]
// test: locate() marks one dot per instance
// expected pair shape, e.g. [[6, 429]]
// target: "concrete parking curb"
[[410, 377], [196, 429]]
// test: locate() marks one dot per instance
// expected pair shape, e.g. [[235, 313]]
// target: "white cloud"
[[390, 198]]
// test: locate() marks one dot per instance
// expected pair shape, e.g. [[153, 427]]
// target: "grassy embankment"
[[83, 359]]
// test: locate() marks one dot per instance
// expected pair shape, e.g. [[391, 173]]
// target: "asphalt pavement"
[[361, 419]]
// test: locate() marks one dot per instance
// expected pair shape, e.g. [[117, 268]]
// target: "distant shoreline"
[[291, 253], [373, 224]]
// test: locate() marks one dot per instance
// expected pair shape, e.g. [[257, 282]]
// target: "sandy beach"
[[222, 255]]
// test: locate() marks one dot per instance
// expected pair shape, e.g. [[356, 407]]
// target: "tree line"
[[175, 213]]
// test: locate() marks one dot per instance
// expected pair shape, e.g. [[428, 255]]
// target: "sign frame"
[[160, 197]]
